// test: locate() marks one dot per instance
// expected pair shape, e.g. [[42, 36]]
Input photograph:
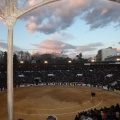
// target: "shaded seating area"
[[106, 113]]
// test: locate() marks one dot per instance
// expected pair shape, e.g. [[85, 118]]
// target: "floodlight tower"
[[10, 14]]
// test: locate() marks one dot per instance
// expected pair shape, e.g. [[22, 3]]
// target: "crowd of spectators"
[[106, 113], [95, 75]]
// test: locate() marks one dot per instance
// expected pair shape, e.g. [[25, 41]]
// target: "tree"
[[1, 57], [15, 58], [79, 56], [5, 57], [81, 59], [47, 57], [20, 53]]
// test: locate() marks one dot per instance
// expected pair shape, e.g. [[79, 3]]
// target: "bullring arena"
[[37, 102]]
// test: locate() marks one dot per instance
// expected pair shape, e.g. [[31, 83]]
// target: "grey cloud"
[[56, 16], [62, 36], [17, 48], [89, 47], [2, 40], [4, 46], [61, 15], [96, 19], [47, 28], [95, 44], [66, 36], [87, 50]]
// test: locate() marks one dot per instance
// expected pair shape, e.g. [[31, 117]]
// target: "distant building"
[[105, 53], [113, 58]]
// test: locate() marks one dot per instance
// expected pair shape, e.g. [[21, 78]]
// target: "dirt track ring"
[[34, 103], [61, 110], [65, 108]]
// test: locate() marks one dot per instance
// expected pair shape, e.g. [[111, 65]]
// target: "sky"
[[67, 26]]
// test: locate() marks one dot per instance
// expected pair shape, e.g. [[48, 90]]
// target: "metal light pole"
[[10, 14]]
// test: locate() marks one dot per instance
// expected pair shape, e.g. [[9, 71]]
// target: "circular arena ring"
[[36, 103]]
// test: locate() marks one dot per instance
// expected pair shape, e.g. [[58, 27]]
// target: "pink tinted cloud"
[[31, 24], [1, 18], [31, 2], [118, 50], [104, 11], [54, 45], [57, 46], [43, 51], [31, 27]]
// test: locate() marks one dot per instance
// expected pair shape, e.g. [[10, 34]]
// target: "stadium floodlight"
[[69, 61], [45, 61], [10, 14], [118, 59], [115, 1]]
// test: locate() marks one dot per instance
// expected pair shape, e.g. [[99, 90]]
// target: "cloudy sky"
[[67, 26]]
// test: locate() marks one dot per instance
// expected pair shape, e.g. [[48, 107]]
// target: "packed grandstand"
[[61, 74]]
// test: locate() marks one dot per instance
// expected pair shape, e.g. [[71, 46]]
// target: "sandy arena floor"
[[36, 103]]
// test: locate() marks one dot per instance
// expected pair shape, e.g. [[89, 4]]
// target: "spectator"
[[51, 117], [76, 117], [117, 114]]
